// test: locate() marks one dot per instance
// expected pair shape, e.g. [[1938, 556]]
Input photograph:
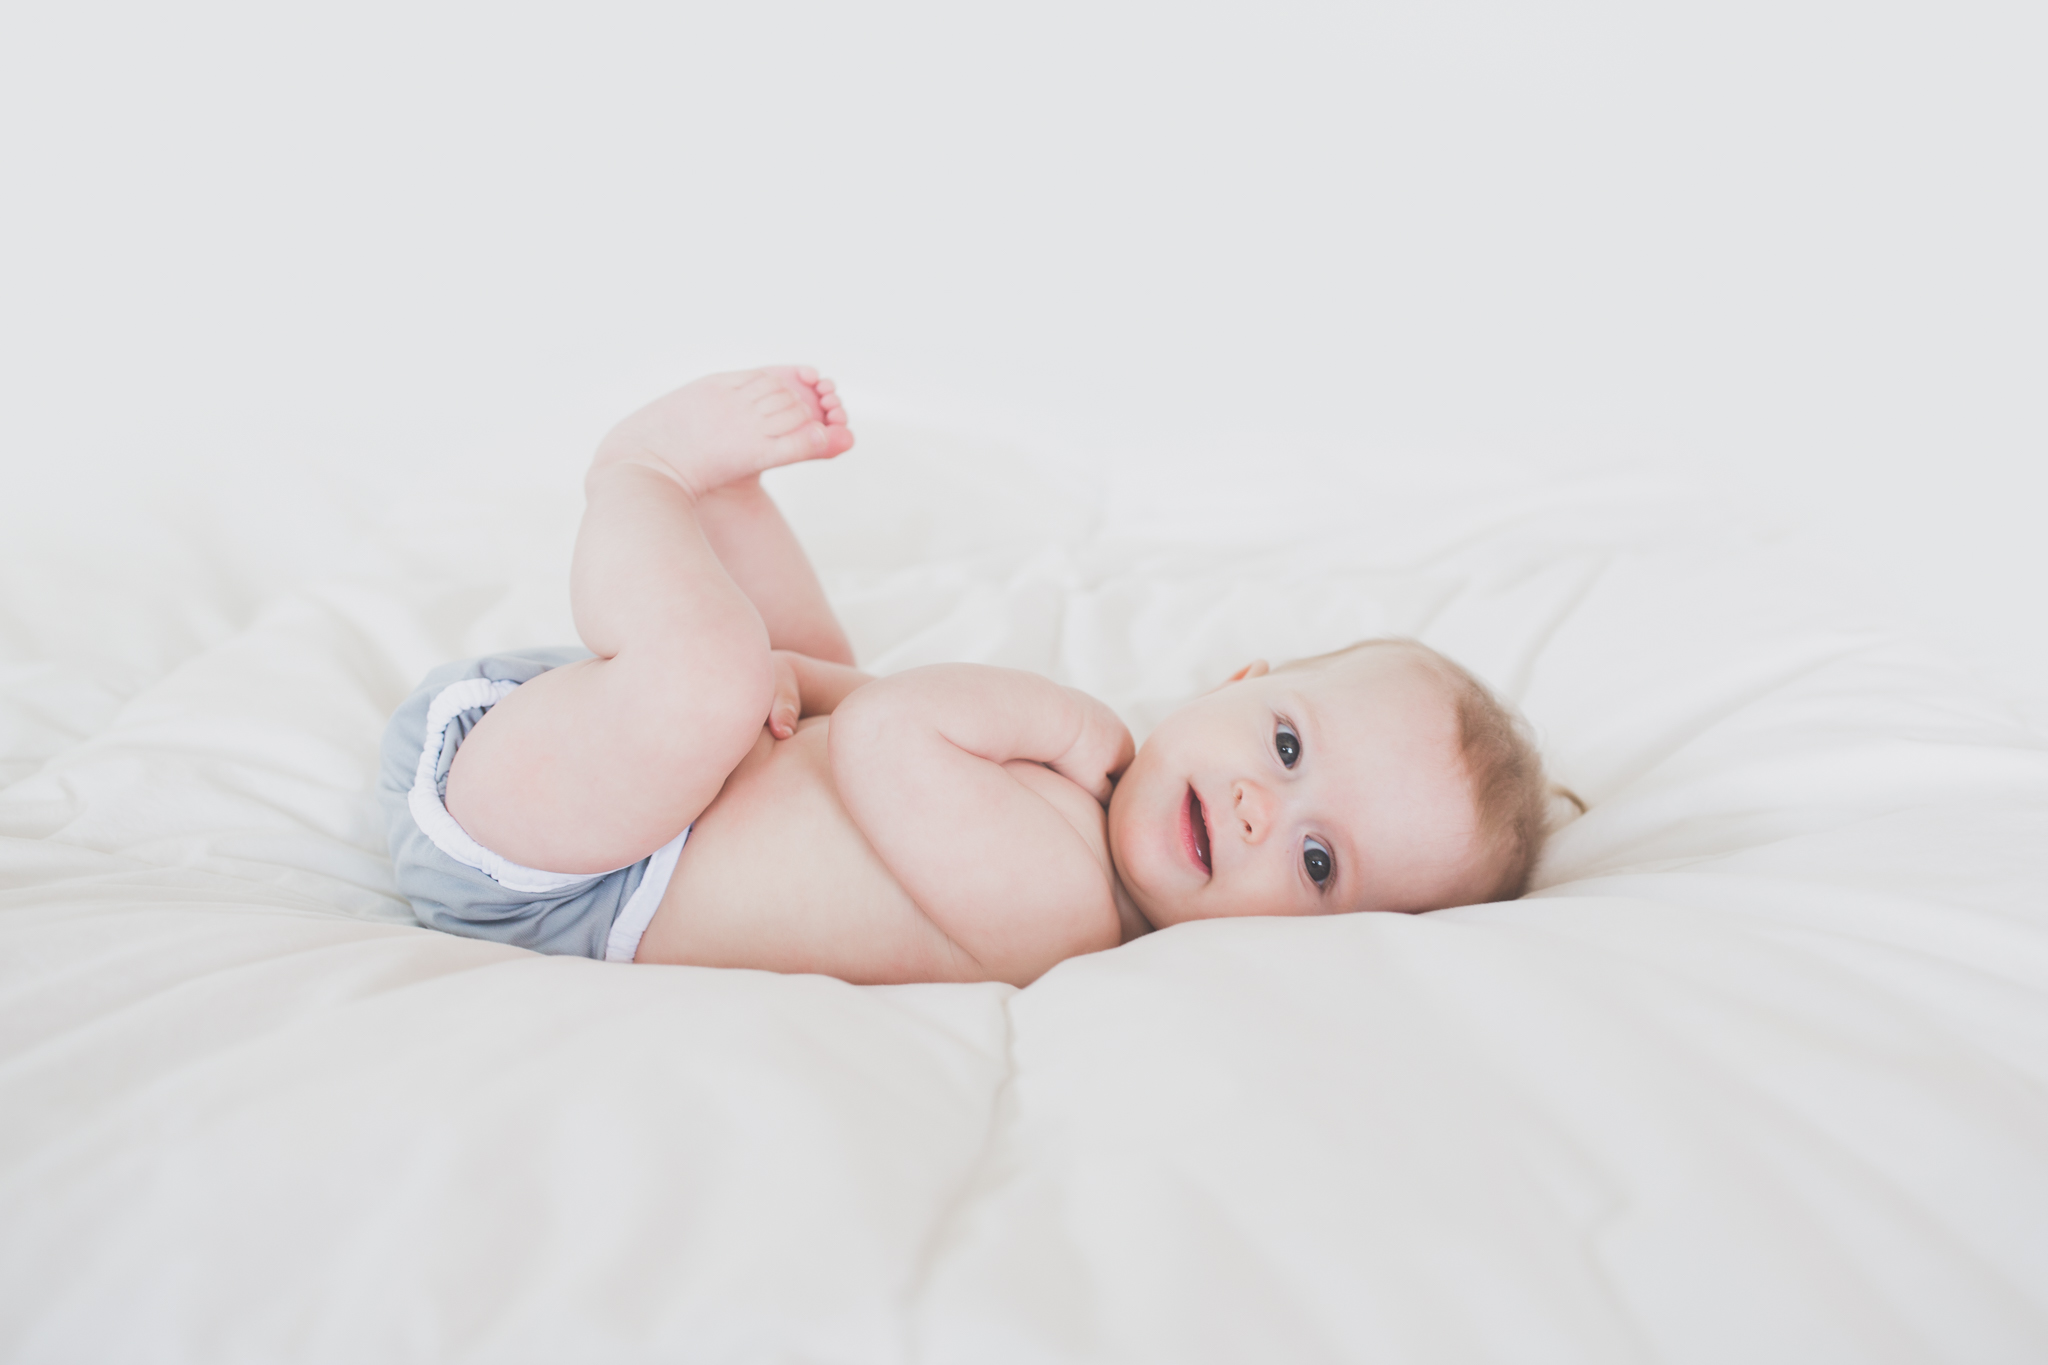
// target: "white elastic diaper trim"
[[639, 908], [431, 812]]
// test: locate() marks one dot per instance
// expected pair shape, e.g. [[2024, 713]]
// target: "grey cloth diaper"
[[457, 885]]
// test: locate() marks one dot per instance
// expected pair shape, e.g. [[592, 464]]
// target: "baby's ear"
[[1255, 669]]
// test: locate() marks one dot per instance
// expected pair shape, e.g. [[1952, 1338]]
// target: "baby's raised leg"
[[763, 556], [595, 765], [746, 529]]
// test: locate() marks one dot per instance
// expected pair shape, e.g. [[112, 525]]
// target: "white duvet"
[[1758, 1073]]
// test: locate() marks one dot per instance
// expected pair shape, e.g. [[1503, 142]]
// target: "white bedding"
[[1759, 1072]]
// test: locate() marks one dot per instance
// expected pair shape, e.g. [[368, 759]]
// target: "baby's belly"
[[776, 876]]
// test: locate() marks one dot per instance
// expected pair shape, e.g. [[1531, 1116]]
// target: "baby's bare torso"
[[776, 875]]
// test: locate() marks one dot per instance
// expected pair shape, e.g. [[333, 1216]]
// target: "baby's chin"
[[1164, 914], [1160, 911]]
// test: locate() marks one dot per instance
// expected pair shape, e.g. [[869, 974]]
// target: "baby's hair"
[[1509, 790]]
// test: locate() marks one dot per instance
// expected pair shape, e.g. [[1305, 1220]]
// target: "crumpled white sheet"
[[1759, 1073]]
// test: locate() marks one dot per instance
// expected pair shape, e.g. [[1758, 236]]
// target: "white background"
[[1791, 249]]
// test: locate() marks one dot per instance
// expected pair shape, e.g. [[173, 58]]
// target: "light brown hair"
[[1510, 793]]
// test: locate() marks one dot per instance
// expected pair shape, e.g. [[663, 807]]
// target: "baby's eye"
[[1288, 743], [1316, 858]]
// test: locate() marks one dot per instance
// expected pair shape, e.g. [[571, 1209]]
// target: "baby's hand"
[[806, 687], [787, 708], [1100, 753]]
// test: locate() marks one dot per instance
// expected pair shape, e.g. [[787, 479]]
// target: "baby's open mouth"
[[1198, 831]]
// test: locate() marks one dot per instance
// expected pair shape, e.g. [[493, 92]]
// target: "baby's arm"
[[918, 760]]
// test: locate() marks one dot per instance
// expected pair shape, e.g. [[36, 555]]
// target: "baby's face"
[[1317, 790]]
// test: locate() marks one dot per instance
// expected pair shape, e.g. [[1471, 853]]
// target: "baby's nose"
[[1253, 807]]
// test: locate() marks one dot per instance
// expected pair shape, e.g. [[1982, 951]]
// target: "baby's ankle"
[[629, 464]]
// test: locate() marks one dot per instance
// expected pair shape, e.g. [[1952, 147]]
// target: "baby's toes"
[[830, 440]]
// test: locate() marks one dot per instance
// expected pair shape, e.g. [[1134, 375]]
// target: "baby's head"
[[1380, 777]]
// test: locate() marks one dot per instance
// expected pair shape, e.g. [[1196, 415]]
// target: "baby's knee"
[[685, 688]]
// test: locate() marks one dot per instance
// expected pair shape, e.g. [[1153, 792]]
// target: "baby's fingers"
[[1101, 752], [785, 710], [1125, 752]]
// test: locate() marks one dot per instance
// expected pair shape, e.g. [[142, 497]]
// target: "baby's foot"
[[725, 427]]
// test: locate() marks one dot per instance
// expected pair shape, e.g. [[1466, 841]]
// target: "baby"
[[714, 783]]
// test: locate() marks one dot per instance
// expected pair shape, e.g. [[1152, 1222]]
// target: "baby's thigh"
[[595, 765]]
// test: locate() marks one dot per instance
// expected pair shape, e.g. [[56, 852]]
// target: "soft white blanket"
[[1756, 1074]]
